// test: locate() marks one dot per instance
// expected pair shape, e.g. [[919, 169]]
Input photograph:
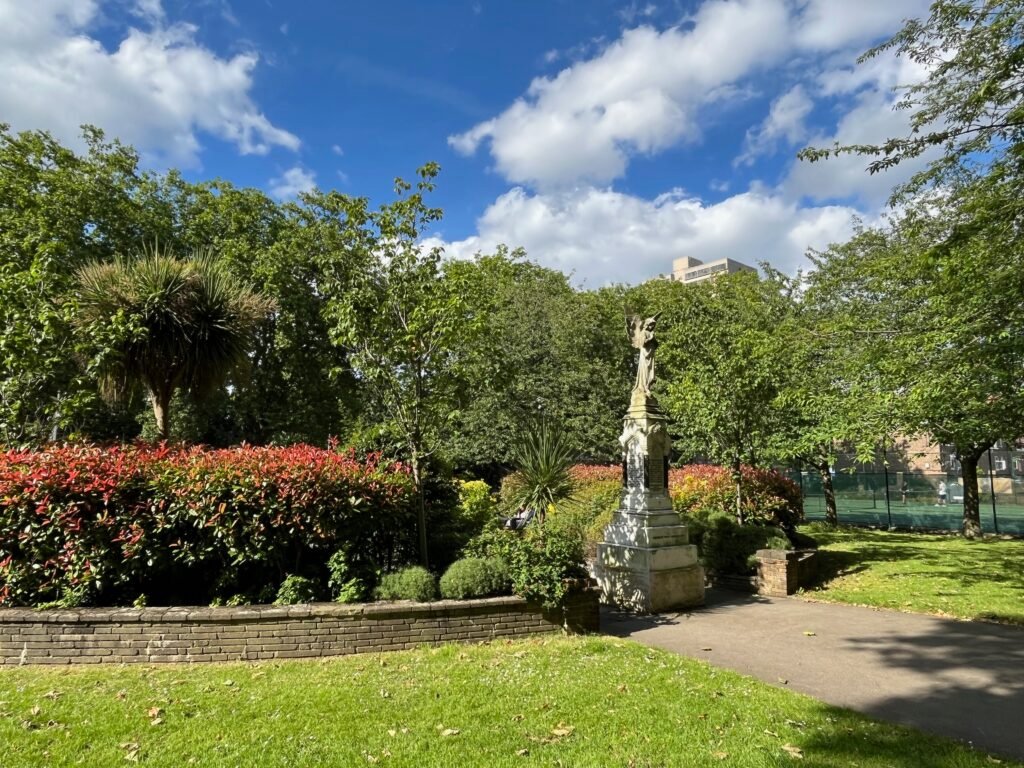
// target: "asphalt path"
[[959, 679]]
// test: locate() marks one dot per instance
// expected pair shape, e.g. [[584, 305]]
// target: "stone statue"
[[641, 336]]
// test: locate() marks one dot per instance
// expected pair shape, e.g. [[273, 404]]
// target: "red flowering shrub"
[[767, 496], [697, 490], [81, 524]]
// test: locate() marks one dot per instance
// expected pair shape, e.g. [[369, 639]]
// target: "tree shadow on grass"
[[967, 565], [851, 741]]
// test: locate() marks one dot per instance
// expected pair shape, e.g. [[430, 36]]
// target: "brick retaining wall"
[[149, 635]]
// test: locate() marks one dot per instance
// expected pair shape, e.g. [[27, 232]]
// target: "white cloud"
[[292, 182], [634, 11], [646, 91], [336, 149], [159, 89], [640, 95], [785, 121], [870, 119], [832, 24], [150, 10], [606, 236]]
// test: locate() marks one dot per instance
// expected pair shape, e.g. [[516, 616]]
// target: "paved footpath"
[[959, 679]]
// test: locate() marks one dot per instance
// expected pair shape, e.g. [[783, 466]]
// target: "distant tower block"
[[690, 270]]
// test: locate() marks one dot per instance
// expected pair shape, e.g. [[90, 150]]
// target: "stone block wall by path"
[[152, 635], [780, 573]]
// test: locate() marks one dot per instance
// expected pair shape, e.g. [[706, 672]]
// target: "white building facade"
[[690, 270]]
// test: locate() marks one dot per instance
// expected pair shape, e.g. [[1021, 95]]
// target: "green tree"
[[826, 397], [58, 211], [730, 365], [544, 351], [936, 301], [401, 320], [167, 324], [297, 387]]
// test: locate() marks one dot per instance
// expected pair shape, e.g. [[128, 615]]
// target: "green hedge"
[[473, 577], [412, 583]]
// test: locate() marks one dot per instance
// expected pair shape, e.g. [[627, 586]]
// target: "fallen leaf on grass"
[[35, 710], [793, 751], [131, 751], [121, 695], [52, 695], [516, 718], [156, 721], [719, 755], [523, 753], [154, 712], [562, 730], [450, 732], [784, 681]]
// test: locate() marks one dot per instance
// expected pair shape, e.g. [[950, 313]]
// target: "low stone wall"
[[782, 572], [151, 635]]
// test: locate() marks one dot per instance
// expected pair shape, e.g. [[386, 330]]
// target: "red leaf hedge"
[[82, 524], [766, 494]]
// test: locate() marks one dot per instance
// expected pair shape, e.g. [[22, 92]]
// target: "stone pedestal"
[[646, 563]]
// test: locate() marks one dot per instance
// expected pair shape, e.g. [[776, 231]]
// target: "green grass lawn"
[[562, 702], [942, 575]]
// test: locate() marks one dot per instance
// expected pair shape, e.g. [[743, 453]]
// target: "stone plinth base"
[[649, 580]]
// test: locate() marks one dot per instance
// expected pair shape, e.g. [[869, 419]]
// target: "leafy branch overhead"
[[969, 107]]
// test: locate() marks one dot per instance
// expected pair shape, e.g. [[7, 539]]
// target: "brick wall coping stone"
[[179, 614], [200, 634]]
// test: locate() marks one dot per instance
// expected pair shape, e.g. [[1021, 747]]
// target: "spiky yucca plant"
[[169, 323], [543, 458]]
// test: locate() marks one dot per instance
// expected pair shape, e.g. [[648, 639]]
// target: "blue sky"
[[605, 136]]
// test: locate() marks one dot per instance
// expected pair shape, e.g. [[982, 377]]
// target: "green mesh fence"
[[911, 500]]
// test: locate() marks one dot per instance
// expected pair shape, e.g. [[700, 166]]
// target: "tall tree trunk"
[[737, 478], [162, 413], [969, 457], [421, 509], [831, 513]]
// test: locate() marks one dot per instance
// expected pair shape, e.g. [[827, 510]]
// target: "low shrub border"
[[152, 635]]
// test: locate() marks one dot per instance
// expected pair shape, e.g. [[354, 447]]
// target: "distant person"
[[942, 494], [904, 490]]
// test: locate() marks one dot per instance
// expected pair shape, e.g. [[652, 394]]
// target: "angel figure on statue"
[[641, 336]]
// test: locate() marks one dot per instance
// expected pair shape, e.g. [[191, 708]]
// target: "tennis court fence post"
[[992, 491], [885, 469]]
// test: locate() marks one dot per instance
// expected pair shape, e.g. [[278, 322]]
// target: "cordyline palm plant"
[[167, 323], [543, 459]]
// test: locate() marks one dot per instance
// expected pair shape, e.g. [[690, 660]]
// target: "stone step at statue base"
[[661, 530], [649, 579]]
